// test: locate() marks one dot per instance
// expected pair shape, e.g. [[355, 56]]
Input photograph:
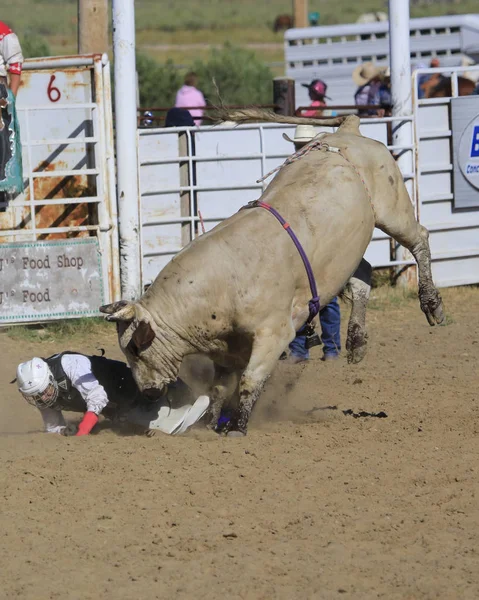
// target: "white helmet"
[[36, 383]]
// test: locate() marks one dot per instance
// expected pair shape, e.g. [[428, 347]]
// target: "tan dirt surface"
[[310, 506]]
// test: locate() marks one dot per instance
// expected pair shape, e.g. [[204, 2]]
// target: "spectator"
[[317, 93], [385, 97], [368, 77], [189, 96], [11, 60], [179, 117], [430, 81], [420, 80]]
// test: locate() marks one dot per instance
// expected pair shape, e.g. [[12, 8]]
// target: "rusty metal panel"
[[46, 280], [64, 109], [54, 105]]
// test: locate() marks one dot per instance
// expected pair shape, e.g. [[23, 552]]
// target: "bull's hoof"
[[434, 313], [236, 434], [356, 355], [431, 305]]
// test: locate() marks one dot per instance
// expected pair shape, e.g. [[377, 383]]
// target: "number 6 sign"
[[53, 92]]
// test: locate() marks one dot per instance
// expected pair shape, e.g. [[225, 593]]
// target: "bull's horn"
[[119, 311]]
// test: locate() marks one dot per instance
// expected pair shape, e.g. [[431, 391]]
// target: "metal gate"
[[205, 174], [68, 209], [454, 233], [332, 52]]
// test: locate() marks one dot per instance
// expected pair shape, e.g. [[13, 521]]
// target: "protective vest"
[[113, 375]]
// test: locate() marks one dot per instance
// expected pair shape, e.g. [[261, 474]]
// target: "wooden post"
[[300, 12], [185, 205], [284, 96], [92, 26]]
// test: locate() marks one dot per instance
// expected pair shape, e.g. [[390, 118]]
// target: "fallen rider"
[[96, 385]]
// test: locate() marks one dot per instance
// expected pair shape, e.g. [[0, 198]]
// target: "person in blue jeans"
[[330, 315], [330, 319]]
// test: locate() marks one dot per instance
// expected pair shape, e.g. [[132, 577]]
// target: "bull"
[[240, 292]]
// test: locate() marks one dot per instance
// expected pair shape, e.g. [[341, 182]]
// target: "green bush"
[[237, 74], [34, 46], [241, 78], [158, 83]]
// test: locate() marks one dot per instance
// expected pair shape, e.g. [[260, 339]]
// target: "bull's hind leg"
[[401, 224], [268, 345], [358, 289]]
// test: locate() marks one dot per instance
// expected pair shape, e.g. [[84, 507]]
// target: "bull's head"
[[146, 354]]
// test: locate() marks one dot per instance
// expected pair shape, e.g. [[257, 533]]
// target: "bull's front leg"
[[224, 386], [268, 345]]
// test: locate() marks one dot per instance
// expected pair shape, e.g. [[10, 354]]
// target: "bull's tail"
[[255, 115]]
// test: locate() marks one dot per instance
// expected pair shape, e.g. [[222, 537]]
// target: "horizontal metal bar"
[[179, 159], [30, 232], [432, 135], [455, 254], [393, 263], [197, 188], [202, 129], [374, 120], [451, 226], [161, 253], [212, 128], [429, 101], [219, 158], [61, 141], [37, 174], [79, 200], [434, 169], [179, 220], [73, 106], [436, 198], [56, 62], [54, 202], [400, 147]]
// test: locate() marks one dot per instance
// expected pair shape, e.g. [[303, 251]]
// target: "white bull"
[[240, 292]]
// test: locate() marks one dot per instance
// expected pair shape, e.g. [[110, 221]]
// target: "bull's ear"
[[119, 311], [143, 335]]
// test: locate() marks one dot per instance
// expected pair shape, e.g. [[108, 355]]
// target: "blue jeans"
[[330, 319]]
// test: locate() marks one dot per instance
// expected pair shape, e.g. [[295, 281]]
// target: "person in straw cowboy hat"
[[330, 315], [368, 77]]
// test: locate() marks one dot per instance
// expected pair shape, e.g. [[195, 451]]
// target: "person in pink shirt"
[[317, 93], [189, 96]]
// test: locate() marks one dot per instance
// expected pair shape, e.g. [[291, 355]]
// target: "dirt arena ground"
[[313, 505]]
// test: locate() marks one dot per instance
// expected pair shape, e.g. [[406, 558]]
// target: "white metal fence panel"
[[454, 234], [64, 108], [199, 176], [332, 52]]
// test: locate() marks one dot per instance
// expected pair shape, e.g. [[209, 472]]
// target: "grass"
[[383, 298], [386, 297], [180, 22], [185, 57], [59, 330]]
